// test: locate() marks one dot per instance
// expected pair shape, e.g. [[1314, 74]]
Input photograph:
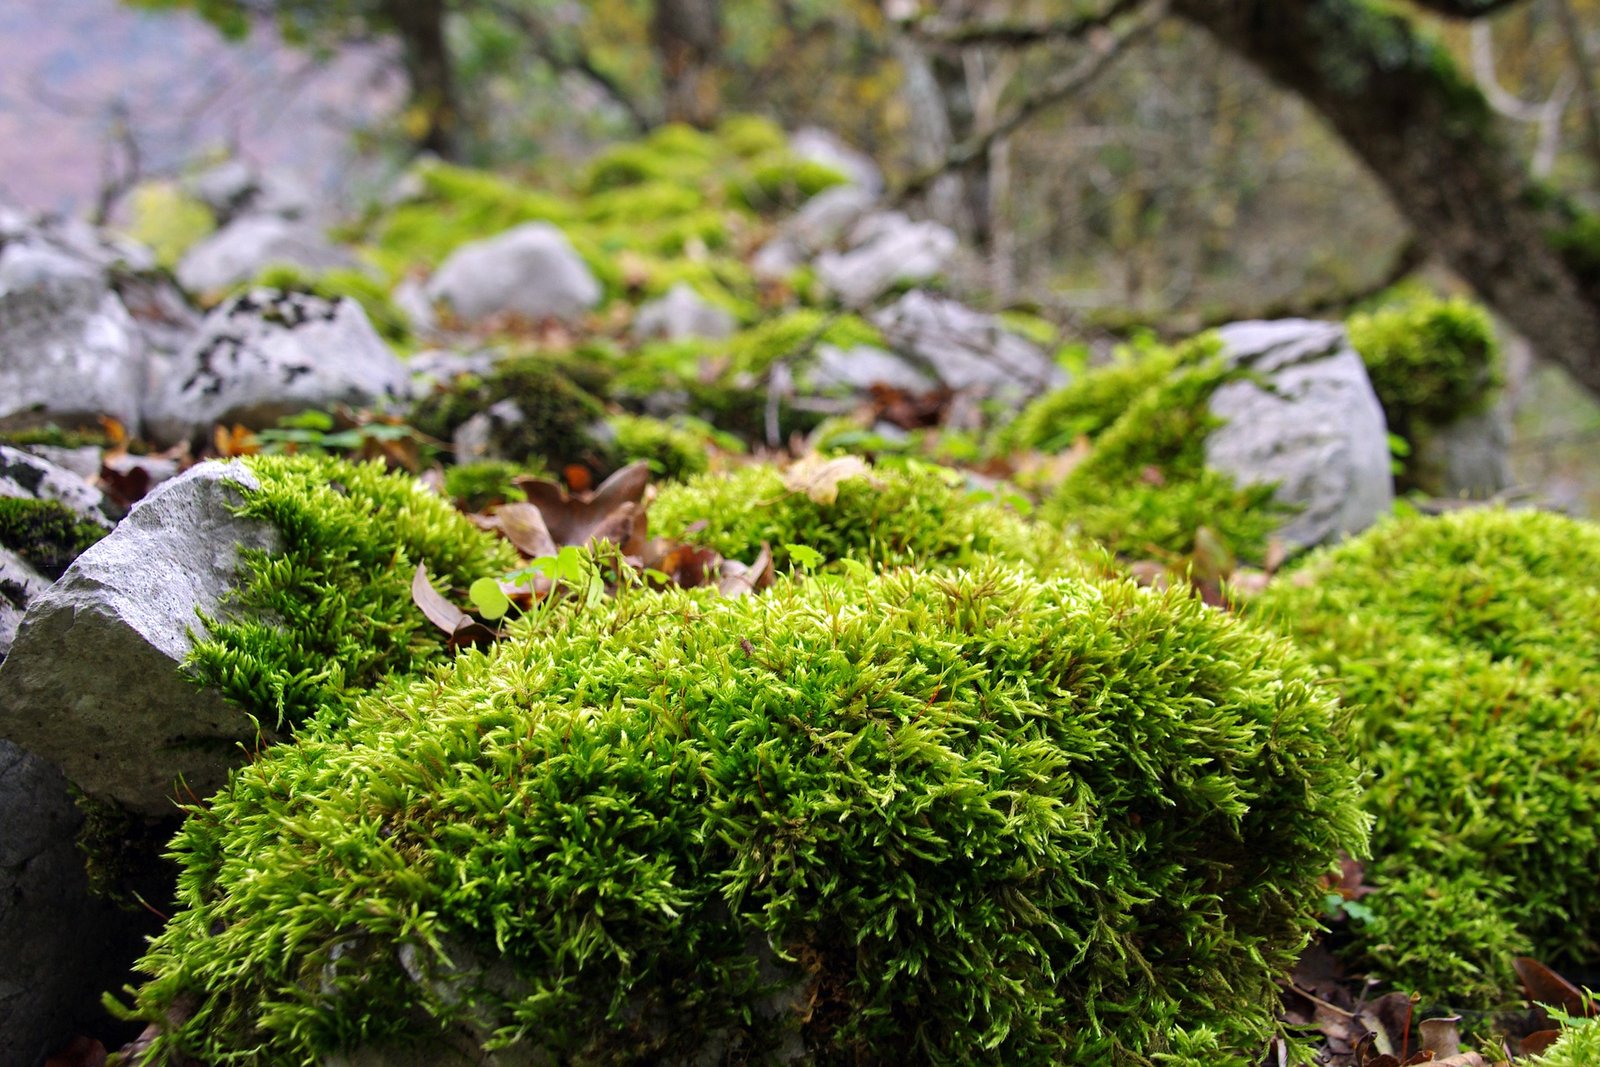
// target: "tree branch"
[[1065, 84], [1465, 9], [936, 30], [1546, 116]]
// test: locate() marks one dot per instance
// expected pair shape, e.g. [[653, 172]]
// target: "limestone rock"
[[888, 249], [1316, 428], [820, 146], [24, 474], [266, 354], [92, 681], [240, 250], [825, 219], [860, 368], [63, 946], [439, 368], [1470, 457], [234, 188], [530, 271], [69, 351], [963, 349], [19, 584], [682, 313]]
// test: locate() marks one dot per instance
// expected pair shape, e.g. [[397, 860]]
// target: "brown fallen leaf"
[[462, 628], [523, 525], [818, 477], [625, 527], [1440, 1036], [572, 518], [738, 579], [686, 566], [1546, 987]]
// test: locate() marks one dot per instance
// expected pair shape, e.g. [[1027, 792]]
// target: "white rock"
[[894, 251], [240, 250], [24, 474], [777, 259], [965, 349], [1316, 429], [266, 354], [19, 585], [234, 188], [827, 217], [681, 313], [821, 146], [92, 681], [862, 367], [531, 271]]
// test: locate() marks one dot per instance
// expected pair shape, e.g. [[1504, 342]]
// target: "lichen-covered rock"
[[886, 250], [243, 248], [682, 313], [966, 349], [63, 946], [266, 354], [19, 584], [23, 474], [234, 188], [92, 681], [69, 351], [1305, 419], [961, 817], [531, 271]]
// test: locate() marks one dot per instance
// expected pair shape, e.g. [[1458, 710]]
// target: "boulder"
[[439, 368], [887, 249], [531, 271], [1306, 419], [69, 351], [1470, 457], [64, 947], [825, 219], [22, 473], [234, 188], [682, 313], [243, 248], [266, 354], [963, 349], [129, 727], [860, 368], [820, 146]]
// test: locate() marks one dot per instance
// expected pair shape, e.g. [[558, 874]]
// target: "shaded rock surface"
[[92, 681], [963, 349], [266, 354], [1313, 426], [19, 585], [235, 188], [530, 271], [887, 249], [240, 250], [682, 313]]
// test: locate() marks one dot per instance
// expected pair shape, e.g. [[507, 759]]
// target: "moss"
[[330, 615], [751, 135], [47, 534], [796, 334], [674, 452], [1464, 645], [54, 436], [475, 486], [1143, 486], [936, 818], [557, 416], [1431, 361], [650, 202], [676, 155], [779, 182], [363, 288], [1578, 1046], [166, 220]]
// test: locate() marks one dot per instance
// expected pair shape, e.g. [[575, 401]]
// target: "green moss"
[[47, 534], [1578, 1046], [1143, 487], [475, 486], [1431, 361], [1464, 646], [330, 615], [650, 202], [363, 288], [166, 220], [55, 437], [795, 334], [674, 452], [779, 182], [934, 818], [751, 135], [557, 416]]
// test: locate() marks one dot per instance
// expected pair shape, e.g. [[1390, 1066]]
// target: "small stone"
[[531, 271], [682, 313], [246, 246]]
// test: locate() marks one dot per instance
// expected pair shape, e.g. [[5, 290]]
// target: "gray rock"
[[411, 298], [476, 439], [1314, 427], [240, 250], [63, 946], [92, 681], [69, 351], [439, 367], [1471, 457], [778, 258], [963, 349], [19, 585], [860, 368], [531, 271], [84, 462], [27, 475], [825, 219], [266, 354], [235, 188], [681, 313], [821, 146], [891, 250]]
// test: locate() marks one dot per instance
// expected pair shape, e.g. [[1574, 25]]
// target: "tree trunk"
[[429, 73], [1398, 101], [686, 36]]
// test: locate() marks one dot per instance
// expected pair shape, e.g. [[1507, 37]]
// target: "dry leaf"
[[572, 518], [462, 628], [521, 524], [818, 477], [1545, 986], [737, 578], [1440, 1036]]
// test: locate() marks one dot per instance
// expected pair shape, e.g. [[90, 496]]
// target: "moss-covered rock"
[[674, 452], [47, 534], [475, 486], [942, 818], [1465, 647], [363, 288], [556, 416], [329, 616]]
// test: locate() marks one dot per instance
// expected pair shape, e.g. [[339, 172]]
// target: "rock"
[[439, 368], [84, 461], [130, 727], [63, 946], [478, 438], [963, 349], [27, 475], [862, 367], [531, 271], [778, 258], [19, 584], [826, 218], [411, 298], [1316, 430], [1470, 457], [821, 146], [69, 351], [235, 188], [240, 250], [891, 250], [266, 354], [682, 313]]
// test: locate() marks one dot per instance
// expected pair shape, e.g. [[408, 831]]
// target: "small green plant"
[[674, 450]]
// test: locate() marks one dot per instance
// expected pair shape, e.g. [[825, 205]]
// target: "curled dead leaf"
[[738, 579], [461, 628], [523, 525], [1544, 986], [818, 477], [572, 518]]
